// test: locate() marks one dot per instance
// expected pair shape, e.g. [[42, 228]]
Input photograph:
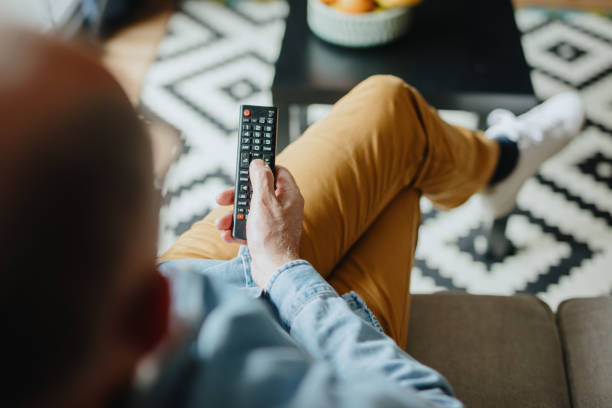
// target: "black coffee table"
[[461, 54]]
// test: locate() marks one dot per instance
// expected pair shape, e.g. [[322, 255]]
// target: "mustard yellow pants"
[[362, 171]]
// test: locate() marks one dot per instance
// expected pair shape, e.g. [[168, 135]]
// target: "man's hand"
[[274, 225]]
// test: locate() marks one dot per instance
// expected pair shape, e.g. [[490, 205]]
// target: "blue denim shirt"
[[299, 344]]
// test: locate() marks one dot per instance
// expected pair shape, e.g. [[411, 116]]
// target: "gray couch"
[[513, 351]]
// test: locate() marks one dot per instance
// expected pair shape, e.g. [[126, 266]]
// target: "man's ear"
[[147, 320]]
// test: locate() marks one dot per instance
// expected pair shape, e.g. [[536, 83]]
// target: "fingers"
[[262, 179], [225, 221], [227, 237], [226, 197], [286, 187], [284, 179]]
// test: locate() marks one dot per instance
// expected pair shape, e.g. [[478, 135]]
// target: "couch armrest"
[[496, 351], [585, 326]]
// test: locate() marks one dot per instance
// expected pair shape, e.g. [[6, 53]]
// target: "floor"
[[564, 248], [128, 55]]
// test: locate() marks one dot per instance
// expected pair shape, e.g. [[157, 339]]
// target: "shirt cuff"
[[245, 257], [293, 286]]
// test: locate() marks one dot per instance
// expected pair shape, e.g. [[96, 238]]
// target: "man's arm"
[[315, 315], [323, 324], [242, 357]]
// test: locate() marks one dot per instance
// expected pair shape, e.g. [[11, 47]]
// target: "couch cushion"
[[496, 351], [585, 326]]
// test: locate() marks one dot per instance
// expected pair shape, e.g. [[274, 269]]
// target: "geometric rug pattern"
[[216, 57]]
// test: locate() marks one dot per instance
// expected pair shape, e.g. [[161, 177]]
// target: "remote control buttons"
[[240, 216], [267, 158], [244, 160], [270, 113], [246, 112]]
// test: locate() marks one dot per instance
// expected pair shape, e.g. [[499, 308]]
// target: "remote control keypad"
[[256, 142]]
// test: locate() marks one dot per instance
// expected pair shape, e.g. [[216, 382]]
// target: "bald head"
[[75, 178], [43, 82]]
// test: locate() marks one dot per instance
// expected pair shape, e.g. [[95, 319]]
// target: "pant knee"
[[385, 81], [390, 86]]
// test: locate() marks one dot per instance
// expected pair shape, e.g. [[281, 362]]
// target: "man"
[[84, 307]]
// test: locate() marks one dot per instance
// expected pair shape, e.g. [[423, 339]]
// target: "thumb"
[[262, 179]]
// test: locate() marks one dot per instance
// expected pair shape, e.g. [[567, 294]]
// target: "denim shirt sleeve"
[[324, 325], [299, 345], [234, 272]]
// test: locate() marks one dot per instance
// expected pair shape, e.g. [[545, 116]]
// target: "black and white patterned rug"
[[216, 57]]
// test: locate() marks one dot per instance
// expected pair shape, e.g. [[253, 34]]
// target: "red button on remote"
[[246, 112], [240, 216]]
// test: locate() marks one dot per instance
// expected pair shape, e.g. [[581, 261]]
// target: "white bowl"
[[357, 30]]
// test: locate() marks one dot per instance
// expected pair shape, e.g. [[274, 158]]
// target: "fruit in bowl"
[[354, 6], [365, 6], [359, 23]]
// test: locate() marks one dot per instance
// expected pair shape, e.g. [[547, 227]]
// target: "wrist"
[[264, 269], [288, 256]]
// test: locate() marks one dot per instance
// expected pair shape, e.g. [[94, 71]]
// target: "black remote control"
[[256, 140]]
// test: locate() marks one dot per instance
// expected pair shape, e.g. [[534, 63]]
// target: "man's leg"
[[378, 140], [378, 265], [202, 241]]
